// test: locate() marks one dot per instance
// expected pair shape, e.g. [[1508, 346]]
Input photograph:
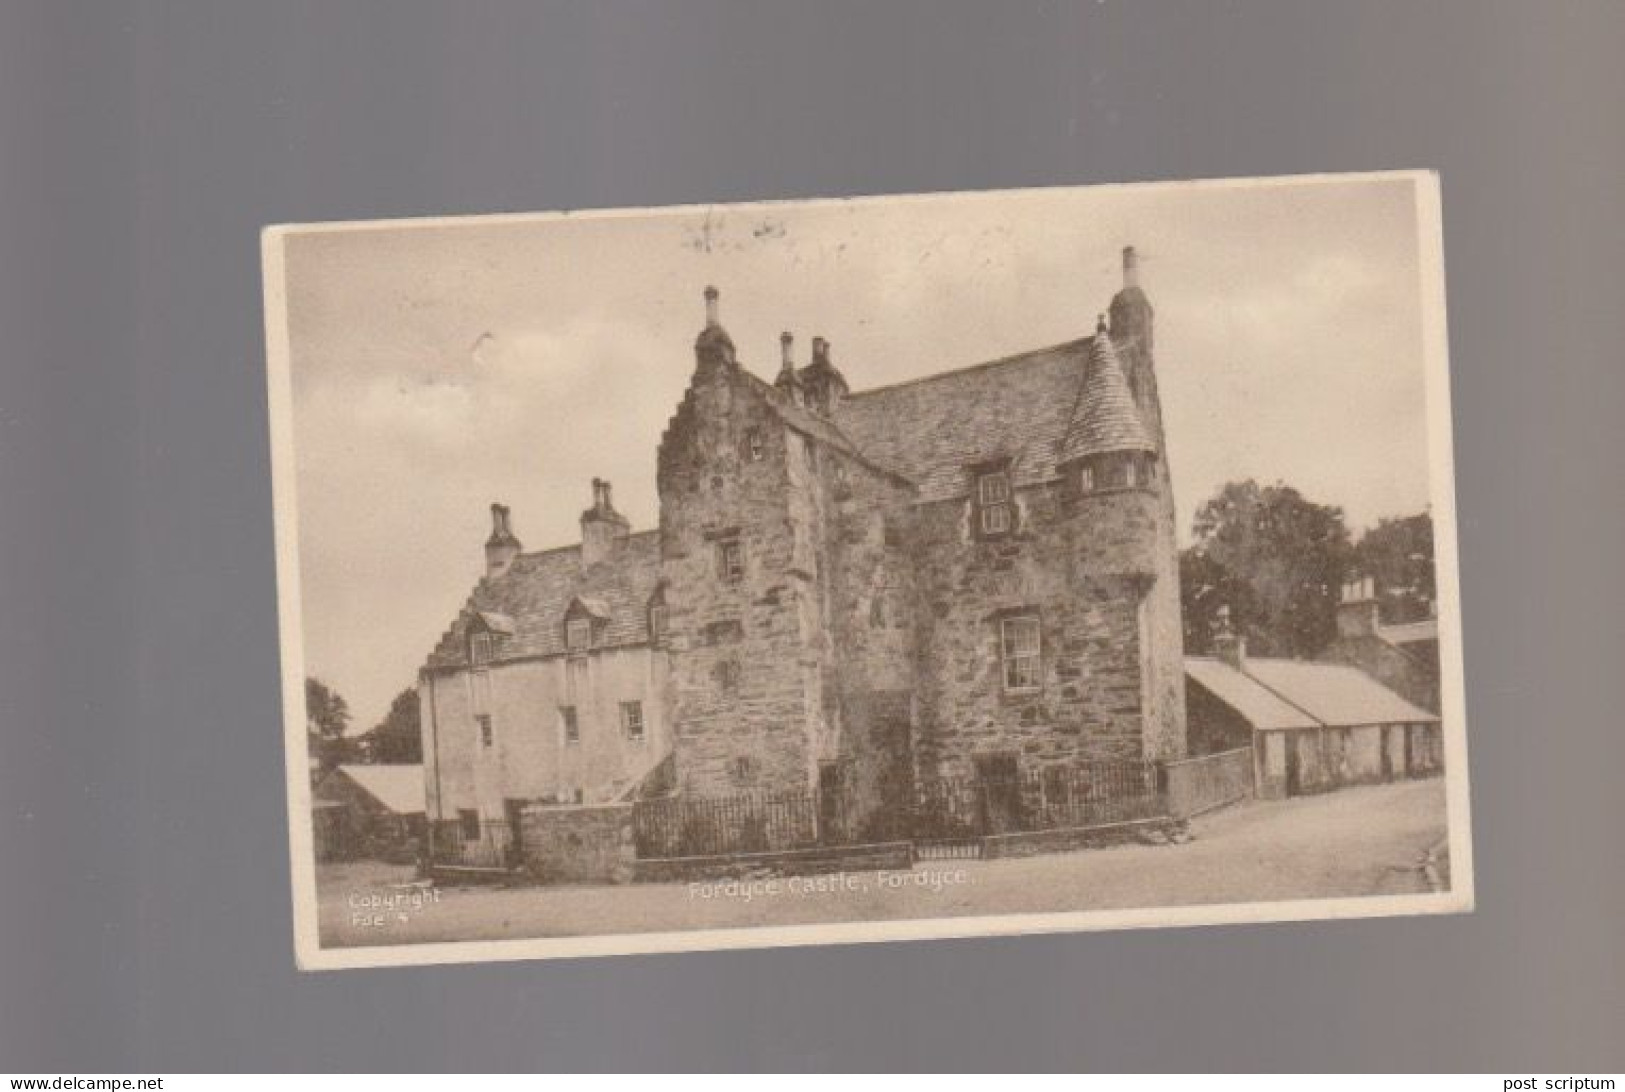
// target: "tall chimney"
[[503, 545], [713, 349], [788, 381], [601, 526], [1357, 608], [1131, 268], [825, 385]]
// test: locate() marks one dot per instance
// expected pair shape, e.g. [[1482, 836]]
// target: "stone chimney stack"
[[788, 381], [503, 545], [1357, 608], [1228, 645], [825, 385], [1132, 317], [713, 348], [602, 528]]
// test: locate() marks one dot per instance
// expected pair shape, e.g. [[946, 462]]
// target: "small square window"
[[996, 520], [468, 822], [487, 733], [480, 648], [754, 448], [1019, 646], [578, 634], [570, 725], [731, 560], [632, 720], [744, 770]]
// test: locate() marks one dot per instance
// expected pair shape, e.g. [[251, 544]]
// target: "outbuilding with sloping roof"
[[1313, 726]]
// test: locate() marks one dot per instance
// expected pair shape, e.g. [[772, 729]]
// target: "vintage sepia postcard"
[[867, 569]]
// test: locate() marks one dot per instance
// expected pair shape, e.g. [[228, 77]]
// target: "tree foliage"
[[396, 738], [1275, 558], [1398, 555], [327, 715]]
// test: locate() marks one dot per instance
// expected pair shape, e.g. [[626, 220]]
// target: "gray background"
[[144, 909]]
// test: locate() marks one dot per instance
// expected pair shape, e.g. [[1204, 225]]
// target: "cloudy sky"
[[438, 367]]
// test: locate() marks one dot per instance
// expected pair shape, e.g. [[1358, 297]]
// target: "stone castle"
[[971, 574]]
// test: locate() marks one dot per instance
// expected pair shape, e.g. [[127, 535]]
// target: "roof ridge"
[[1013, 358], [1261, 683], [647, 532]]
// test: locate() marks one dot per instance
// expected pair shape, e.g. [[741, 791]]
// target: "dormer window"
[[481, 649], [993, 507], [1086, 479], [578, 634]]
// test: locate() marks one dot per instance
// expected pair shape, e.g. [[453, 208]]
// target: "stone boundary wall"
[[1197, 785], [1038, 842], [891, 856], [578, 844]]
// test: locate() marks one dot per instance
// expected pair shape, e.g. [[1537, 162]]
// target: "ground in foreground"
[[1356, 842]]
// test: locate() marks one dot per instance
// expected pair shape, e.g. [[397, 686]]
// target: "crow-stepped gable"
[[968, 574]]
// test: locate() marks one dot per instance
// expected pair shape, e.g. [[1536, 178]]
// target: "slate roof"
[[1106, 418], [1406, 633], [1272, 694], [929, 430], [1335, 694], [538, 588], [399, 788], [1256, 703]]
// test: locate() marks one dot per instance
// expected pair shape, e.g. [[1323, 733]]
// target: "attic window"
[[481, 648], [752, 447], [993, 502], [578, 634], [1086, 479]]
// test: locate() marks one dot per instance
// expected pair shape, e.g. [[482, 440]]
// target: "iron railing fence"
[[1088, 794], [705, 826], [938, 810]]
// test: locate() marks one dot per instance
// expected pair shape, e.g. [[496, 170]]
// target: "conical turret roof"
[[1105, 418]]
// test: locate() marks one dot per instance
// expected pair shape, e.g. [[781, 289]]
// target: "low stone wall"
[[891, 856], [1197, 785], [588, 844], [1033, 843]]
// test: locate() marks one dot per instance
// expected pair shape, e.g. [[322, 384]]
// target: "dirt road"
[[1360, 841]]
